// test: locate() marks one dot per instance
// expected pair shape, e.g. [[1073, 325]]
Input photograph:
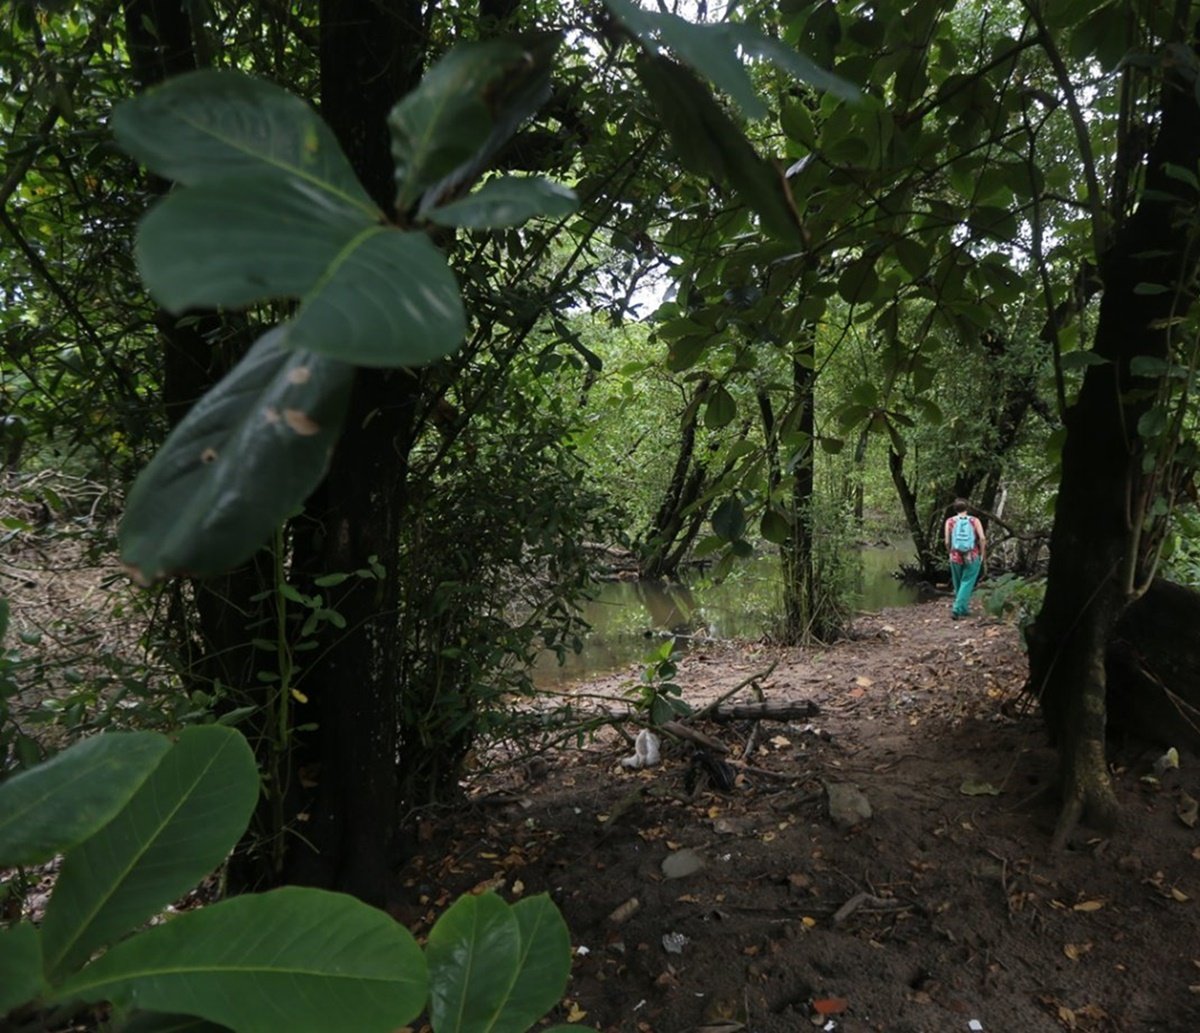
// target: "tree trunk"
[[805, 618], [346, 817], [685, 487], [1153, 668], [1094, 566]]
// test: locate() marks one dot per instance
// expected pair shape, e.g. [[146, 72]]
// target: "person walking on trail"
[[967, 545]]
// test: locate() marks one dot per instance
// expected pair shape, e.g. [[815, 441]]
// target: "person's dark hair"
[[961, 505]]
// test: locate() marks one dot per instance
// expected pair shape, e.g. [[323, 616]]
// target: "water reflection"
[[629, 618]]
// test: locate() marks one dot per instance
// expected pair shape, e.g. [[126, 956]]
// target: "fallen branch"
[[868, 901]]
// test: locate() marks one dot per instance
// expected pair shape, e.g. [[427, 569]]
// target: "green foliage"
[[263, 437], [140, 820], [656, 696], [270, 210], [1011, 595]]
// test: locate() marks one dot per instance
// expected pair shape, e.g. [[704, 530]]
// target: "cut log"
[[767, 710]]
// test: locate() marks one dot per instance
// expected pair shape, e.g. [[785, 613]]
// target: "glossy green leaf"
[[215, 125], [1150, 366], [242, 240], [707, 49], [721, 408], [718, 51], [438, 126], [729, 520], [474, 958], [913, 256], [21, 977], [507, 201], [248, 453], [59, 804], [858, 282], [775, 527], [544, 965], [803, 67], [300, 960], [1153, 422], [393, 301], [709, 142], [797, 123], [1082, 360], [685, 352], [369, 294], [179, 825]]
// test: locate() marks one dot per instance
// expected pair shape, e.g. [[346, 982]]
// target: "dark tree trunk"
[[370, 55], [684, 488], [1094, 566], [804, 614], [1153, 667], [912, 516]]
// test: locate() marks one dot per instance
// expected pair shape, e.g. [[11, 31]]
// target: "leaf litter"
[[941, 911]]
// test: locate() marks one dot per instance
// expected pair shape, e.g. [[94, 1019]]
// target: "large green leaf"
[[179, 825], [300, 960], [248, 453], [507, 201], [709, 142], [718, 51], [210, 125], [20, 966], [444, 124], [729, 520], [369, 294], [544, 965], [242, 240], [58, 804], [473, 954]]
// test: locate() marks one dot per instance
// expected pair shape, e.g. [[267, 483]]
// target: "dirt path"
[[941, 912]]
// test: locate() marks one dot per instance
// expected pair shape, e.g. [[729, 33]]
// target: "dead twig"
[[711, 708], [869, 902]]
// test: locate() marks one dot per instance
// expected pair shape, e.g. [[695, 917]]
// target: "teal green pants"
[[963, 577]]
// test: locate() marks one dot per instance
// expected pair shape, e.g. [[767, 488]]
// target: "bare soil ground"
[[943, 911]]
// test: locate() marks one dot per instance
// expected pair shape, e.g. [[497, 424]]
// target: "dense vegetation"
[[744, 280]]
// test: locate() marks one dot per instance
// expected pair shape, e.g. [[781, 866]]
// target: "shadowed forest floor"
[[942, 911]]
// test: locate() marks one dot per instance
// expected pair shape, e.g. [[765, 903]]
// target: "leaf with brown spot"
[[301, 422], [186, 515]]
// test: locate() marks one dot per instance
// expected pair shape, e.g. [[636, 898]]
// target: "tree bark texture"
[[1091, 541]]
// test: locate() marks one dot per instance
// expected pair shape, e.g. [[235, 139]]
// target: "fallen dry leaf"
[[1088, 905], [830, 1005]]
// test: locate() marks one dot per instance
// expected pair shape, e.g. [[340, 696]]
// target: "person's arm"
[[946, 531], [982, 540]]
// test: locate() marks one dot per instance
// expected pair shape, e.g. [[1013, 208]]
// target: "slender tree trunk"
[[804, 617], [685, 486], [1094, 567]]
